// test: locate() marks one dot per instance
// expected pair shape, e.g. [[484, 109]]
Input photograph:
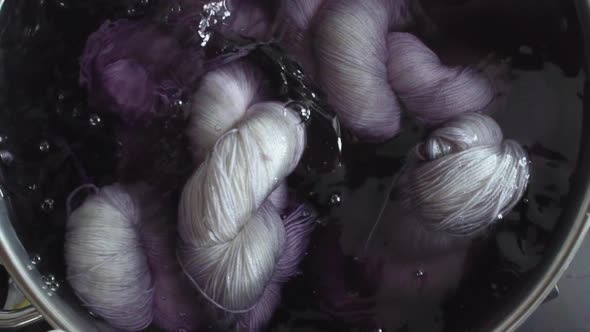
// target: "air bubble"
[[36, 259], [181, 330], [47, 205], [217, 128], [95, 120], [6, 157], [500, 217], [335, 200], [32, 187], [3, 139], [163, 298], [182, 314], [30, 267], [131, 11], [306, 214], [302, 110], [419, 273], [524, 162], [44, 146]]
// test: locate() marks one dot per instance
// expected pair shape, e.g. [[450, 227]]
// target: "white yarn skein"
[[231, 233], [119, 287]]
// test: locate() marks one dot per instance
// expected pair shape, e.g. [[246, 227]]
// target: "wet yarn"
[[370, 72], [119, 252], [134, 68], [234, 244], [464, 176]]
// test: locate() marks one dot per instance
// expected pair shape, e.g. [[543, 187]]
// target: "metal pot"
[[62, 313]]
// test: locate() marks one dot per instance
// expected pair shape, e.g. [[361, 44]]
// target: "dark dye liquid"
[[52, 142]]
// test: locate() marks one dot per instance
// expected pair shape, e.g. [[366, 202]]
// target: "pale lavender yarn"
[[464, 176], [431, 91], [119, 252], [370, 73], [234, 244]]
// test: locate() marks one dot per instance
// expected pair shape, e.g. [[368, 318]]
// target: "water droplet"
[[131, 11], [3, 139], [175, 8], [353, 293], [356, 259], [62, 4], [378, 330], [302, 110], [47, 205], [525, 201], [182, 314], [61, 97], [524, 162], [36, 259], [419, 273], [163, 298], [178, 103], [306, 214], [30, 267], [6, 157], [217, 128], [144, 2], [335, 199], [44, 146], [94, 120], [32, 187], [43, 287], [50, 294], [283, 216], [500, 217], [181, 330], [321, 221], [494, 286]]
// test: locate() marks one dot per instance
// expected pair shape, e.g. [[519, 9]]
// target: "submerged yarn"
[[234, 244], [368, 71], [130, 68], [464, 176], [119, 252]]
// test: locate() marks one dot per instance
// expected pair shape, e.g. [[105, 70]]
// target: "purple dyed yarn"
[[119, 251], [370, 73], [130, 68], [430, 91]]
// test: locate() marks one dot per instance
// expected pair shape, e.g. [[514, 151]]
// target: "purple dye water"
[[58, 142]]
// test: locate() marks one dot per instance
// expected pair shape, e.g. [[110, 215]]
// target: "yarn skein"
[[369, 72], [234, 244], [119, 252], [465, 176]]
